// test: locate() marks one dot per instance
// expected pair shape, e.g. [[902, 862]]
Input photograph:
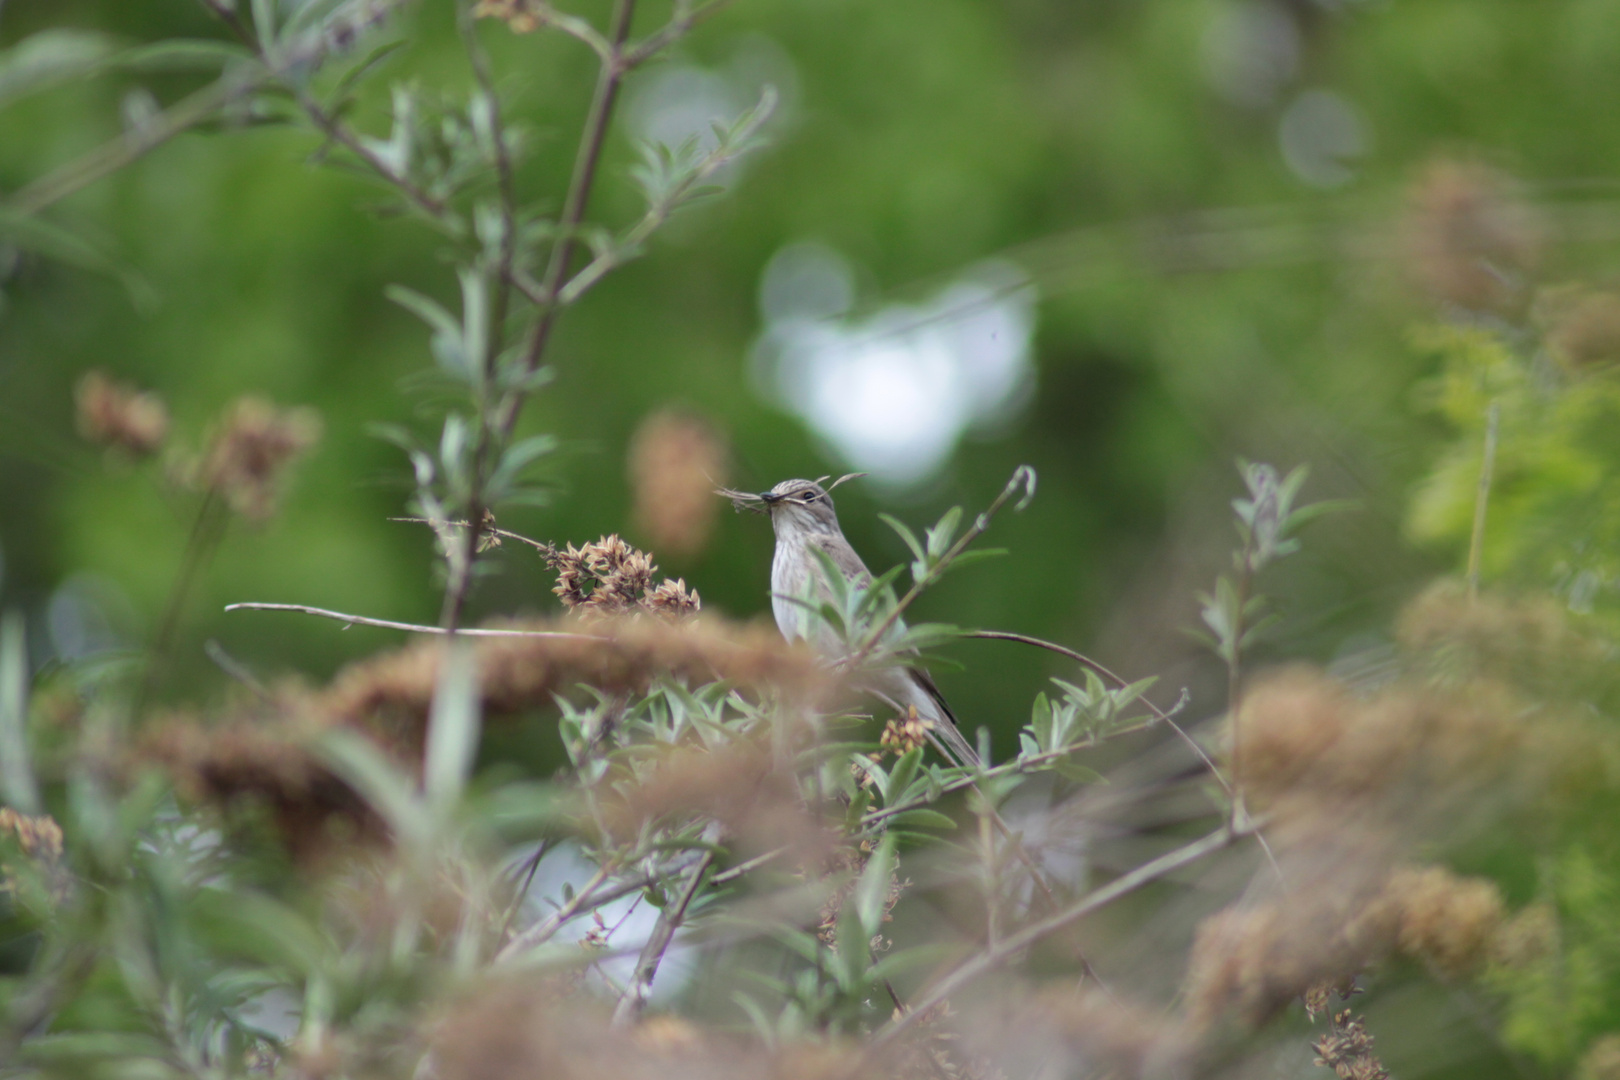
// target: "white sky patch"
[[893, 392], [630, 920]]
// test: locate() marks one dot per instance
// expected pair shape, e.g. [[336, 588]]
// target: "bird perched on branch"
[[805, 521]]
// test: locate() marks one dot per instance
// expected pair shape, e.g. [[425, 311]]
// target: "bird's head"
[[800, 504]]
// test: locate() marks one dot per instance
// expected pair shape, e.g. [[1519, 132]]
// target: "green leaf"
[[182, 54], [900, 775], [872, 890], [48, 58], [18, 788], [454, 723], [942, 533], [923, 818], [239, 923], [377, 780], [907, 535]]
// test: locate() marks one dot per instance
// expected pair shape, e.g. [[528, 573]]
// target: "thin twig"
[[671, 32], [1017, 765], [541, 931], [533, 864], [1013, 944], [652, 954], [487, 529], [414, 628], [1022, 477], [134, 144], [1088, 662], [586, 159], [1166, 717], [339, 132]]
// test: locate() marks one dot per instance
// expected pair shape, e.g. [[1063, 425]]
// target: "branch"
[[132, 145], [1089, 663], [672, 32], [652, 954], [1022, 477], [414, 628], [338, 132], [1013, 944], [542, 930], [1167, 717], [586, 160], [1014, 766]]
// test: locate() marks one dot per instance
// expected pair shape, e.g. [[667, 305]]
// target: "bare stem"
[[586, 159], [541, 931], [414, 628], [652, 954], [134, 144], [1022, 477], [1013, 944]]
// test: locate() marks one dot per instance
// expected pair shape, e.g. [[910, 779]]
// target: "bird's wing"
[[843, 557]]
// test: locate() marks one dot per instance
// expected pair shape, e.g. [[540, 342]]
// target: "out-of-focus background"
[[1125, 243]]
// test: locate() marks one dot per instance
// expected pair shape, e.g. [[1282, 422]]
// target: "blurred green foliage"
[[1213, 197]]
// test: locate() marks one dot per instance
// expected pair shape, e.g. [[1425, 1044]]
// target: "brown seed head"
[[1601, 1060], [518, 15], [251, 451], [675, 461], [1470, 239], [1445, 920], [117, 416], [1582, 325]]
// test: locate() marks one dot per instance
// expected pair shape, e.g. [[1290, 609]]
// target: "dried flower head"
[[39, 837], [1601, 1060], [519, 15], [1347, 1050], [1102, 1034], [1531, 641], [1445, 920], [609, 577], [267, 761], [1582, 325], [905, 733], [675, 459], [117, 416], [1529, 937], [250, 452], [1471, 240]]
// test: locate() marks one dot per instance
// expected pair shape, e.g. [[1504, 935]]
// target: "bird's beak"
[[769, 498]]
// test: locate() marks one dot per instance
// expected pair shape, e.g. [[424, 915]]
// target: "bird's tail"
[[930, 703]]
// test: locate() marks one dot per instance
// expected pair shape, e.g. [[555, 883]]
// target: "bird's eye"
[[808, 497]]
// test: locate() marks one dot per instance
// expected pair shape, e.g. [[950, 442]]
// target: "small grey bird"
[[803, 516]]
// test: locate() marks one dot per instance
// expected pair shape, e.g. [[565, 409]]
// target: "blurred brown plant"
[[1601, 1061], [39, 837], [119, 417], [1471, 239], [1581, 324], [518, 15], [753, 797], [675, 462], [525, 1026], [264, 750], [251, 450], [1532, 641]]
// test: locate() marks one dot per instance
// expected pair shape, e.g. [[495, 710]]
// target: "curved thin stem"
[[414, 628], [1013, 944]]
